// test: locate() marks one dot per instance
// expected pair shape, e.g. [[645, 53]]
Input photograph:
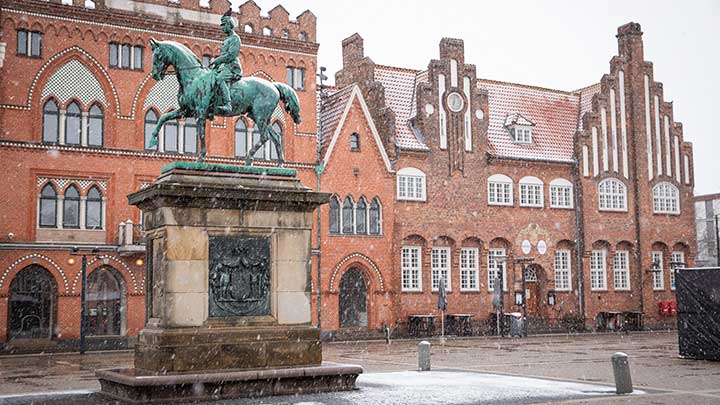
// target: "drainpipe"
[[319, 168], [579, 237]]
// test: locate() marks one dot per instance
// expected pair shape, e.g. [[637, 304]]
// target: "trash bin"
[[516, 324]]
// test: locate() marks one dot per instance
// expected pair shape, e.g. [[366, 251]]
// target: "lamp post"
[[522, 262], [83, 278]]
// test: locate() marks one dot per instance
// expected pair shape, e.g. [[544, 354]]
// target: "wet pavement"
[[538, 369]]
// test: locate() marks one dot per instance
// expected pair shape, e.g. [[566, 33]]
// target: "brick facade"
[[396, 115]]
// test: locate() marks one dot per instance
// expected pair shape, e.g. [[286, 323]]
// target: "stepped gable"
[[400, 85], [554, 113], [586, 97]]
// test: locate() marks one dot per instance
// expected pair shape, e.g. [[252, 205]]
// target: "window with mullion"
[[151, 120], [375, 217], [496, 266], [562, 270], [499, 193], [678, 262], [361, 217], [334, 215], [597, 270], [95, 125], [71, 208], [73, 124], [51, 122], [469, 269], [48, 207], [190, 136], [93, 209], [657, 266], [440, 267], [621, 271], [29, 43], [411, 268], [171, 136], [531, 195], [348, 226], [561, 197]]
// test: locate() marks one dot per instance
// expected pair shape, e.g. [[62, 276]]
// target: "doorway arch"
[[32, 306], [106, 302], [353, 303]]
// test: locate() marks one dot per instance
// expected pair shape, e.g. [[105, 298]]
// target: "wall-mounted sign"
[[526, 246], [542, 247]]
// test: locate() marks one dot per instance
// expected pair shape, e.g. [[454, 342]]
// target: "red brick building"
[[435, 172]]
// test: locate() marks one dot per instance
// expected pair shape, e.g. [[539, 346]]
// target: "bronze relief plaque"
[[239, 276]]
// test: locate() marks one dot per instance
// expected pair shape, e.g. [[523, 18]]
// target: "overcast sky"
[[559, 44]]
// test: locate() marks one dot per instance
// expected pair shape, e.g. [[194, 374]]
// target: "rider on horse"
[[227, 64]]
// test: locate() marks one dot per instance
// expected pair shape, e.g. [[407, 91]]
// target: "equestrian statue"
[[220, 90]]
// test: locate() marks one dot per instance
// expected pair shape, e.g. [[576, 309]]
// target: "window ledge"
[[531, 206], [411, 291], [412, 199], [613, 210], [501, 204], [599, 289], [562, 207], [355, 235]]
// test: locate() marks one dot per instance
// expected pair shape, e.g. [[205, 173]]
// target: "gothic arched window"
[[171, 136], [93, 209], [73, 125], [334, 215], [48, 207], [190, 136], [71, 208], [347, 216], [241, 146], [375, 217], [95, 125], [151, 119], [51, 122], [361, 217], [278, 130]]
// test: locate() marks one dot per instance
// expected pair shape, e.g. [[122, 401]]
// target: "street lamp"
[[523, 261], [75, 251]]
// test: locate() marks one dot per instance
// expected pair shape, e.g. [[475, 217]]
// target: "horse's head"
[[160, 59]]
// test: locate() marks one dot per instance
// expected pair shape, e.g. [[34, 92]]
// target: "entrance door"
[[105, 298], [532, 289], [33, 304], [353, 299]]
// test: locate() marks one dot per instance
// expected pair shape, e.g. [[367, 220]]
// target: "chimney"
[[352, 49], [630, 45], [452, 48]]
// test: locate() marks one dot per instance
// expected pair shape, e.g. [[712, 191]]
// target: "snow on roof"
[[515, 118], [400, 87], [330, 110], [554, 113], [586, 96]]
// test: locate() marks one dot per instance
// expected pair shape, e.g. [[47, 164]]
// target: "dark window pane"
[[299, 78], [35, 43], [334, 216], [260, 154], [190, 136], [206, 59], [354, 142], [71, 208], [138, 57], [48, 191], [289, 72], [105, 302], [22, 42], [125, 57], [278, 130], [347, 216], [171, 136], [150, 121], [241, 147], [93, 215], [361, 217], [114, 55], [50, 122], [375, 217], [95, 126], [48, 209], [72, 124]]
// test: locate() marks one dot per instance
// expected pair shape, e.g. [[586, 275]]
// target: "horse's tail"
[[290, 100]]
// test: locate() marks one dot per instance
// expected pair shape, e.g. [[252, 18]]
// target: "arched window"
[[190, 136], [267, 31], [561, 193], [531, 192], [71, 208], [361, 217], [347, 216], [410, 184], [95, 125], [500, 190], [105, 302], [51, 122], [32, 304], [260, 153], [354, 142], [375, 217], [666, 199], [151, 119], [93, 209], [241, 144], [48, 207], [73, 126], [171, 136], [278, 130], [303, 36], [248, 28], [612, 195], [334, 215]]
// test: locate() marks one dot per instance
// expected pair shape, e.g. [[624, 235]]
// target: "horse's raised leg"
[[172, 115], [201, 135], [277, 141]]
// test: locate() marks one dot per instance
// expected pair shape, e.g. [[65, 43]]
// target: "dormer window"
[[520, 128], [521, 134]]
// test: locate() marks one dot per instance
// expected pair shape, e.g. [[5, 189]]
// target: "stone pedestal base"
[[213, 349], [136, 386]]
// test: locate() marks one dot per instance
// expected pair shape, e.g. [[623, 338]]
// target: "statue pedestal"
[[228, 301]]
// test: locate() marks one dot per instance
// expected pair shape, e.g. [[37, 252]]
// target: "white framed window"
[[500, 190], [678, 262], [411, 263], [666, 199], [612, 195], [469, 269], [597, 270], [521, 134], [496, 264], [411, 184], [295, 77], [531, 192], [621, 270], [440, 267], [561, 194], [657, 266], [562, 270]]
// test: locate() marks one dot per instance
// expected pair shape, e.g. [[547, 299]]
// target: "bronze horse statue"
[[251, 96]]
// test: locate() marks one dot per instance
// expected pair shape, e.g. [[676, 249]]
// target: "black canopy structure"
[[698, 299]]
